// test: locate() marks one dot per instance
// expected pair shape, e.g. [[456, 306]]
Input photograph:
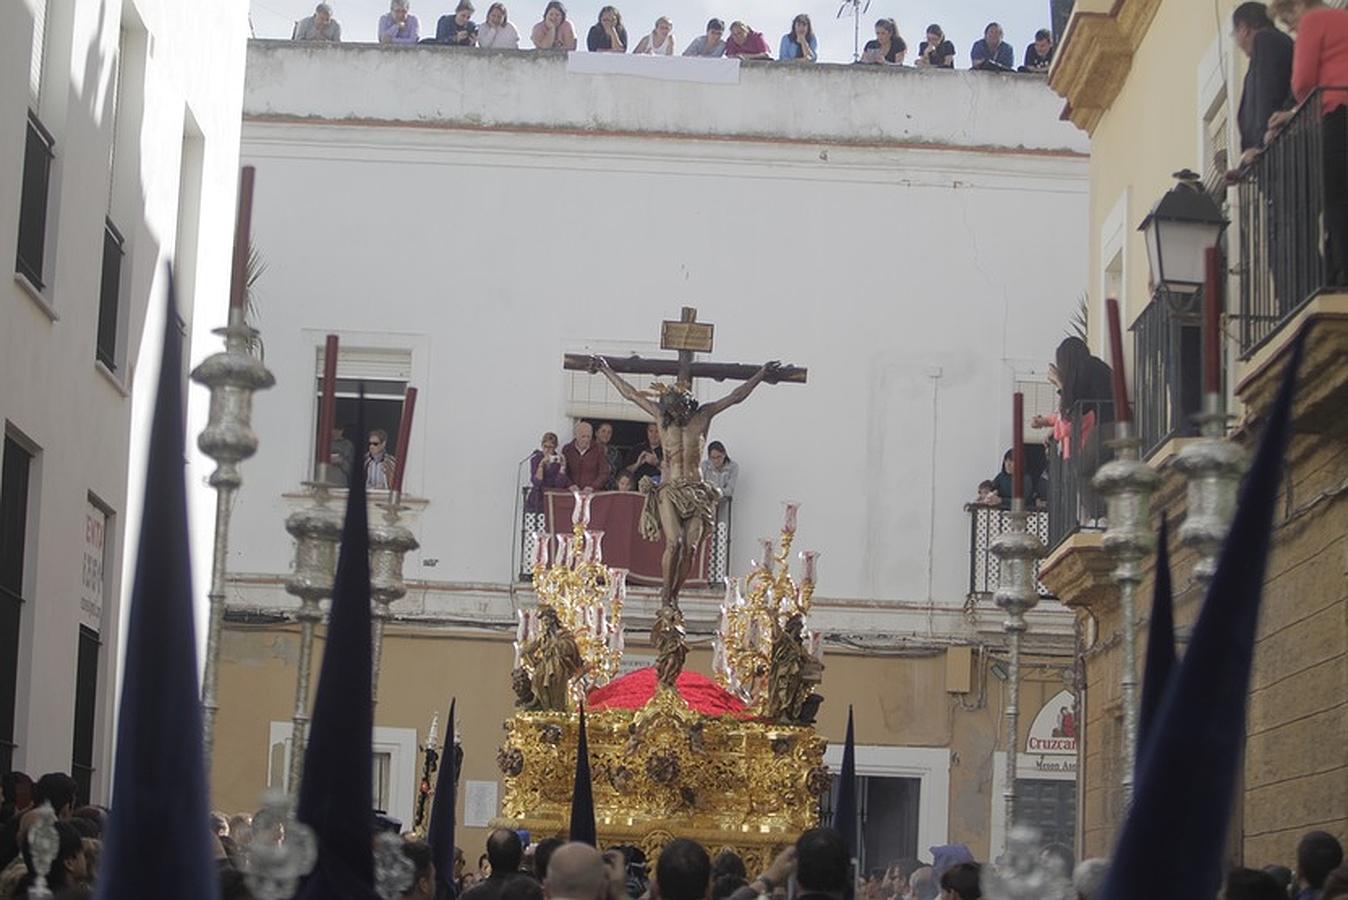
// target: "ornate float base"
[[667, 770]]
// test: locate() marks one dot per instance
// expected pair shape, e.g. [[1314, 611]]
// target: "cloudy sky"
[[963, 20]]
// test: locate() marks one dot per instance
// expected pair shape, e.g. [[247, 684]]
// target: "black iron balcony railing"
[[1286, 225], [1167, 367], [1073, 504], [985, 523], [718, 560]]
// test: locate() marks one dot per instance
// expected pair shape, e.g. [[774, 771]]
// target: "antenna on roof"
[[856, 9]]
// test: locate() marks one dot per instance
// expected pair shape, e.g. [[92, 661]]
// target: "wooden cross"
[[687, 336]]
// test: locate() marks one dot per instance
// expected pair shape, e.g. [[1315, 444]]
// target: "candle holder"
[[430, 764], [1213, 467], [1127, 484], [317, 530], [389, 543], [283, 849], [232, 376], [1018, 551]]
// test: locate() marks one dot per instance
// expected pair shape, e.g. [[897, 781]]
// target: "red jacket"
[[589, 469], [1320, 56]]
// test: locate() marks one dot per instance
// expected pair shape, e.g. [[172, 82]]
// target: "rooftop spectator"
[[547, 472], [644, 462], [555, 31], [1268, 80], [660, 42], [321, 26], [719, 469], [608, 34], [1320, 60], [887, 48], [960, 882], [990, 52], [604, 436], [586, 463], [459, 29], [1039, 55], [398, 26], [498, 32], [711, 44], [936, 52], [745, 43], [799, 44], [379, 463], [1318, 854]]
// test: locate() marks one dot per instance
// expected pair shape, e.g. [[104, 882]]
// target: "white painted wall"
[[88, 424], [492, 211]]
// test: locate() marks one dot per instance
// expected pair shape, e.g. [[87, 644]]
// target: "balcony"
[[1073, 504], [1167, 369], [985, 524], [616, 514], [1284, 263]]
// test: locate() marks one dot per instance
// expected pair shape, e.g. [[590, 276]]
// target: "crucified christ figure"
[[683, 506]]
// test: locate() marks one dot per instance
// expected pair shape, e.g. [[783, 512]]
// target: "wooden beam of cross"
[[687, 336]]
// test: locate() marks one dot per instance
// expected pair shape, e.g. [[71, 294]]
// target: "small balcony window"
[[37, 164], [110, 296]]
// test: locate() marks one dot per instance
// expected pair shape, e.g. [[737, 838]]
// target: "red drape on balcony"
[[617, 514]]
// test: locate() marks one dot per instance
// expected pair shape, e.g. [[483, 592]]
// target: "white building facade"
[[119, 129], [462, 221]]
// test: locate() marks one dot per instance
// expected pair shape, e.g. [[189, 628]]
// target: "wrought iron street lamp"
[[1180, 228]]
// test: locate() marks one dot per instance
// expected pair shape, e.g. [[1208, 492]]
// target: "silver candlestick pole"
[[389, 543], [317, 531], [1017, 550], [232, 376], [1213, 466], [1127, 484]]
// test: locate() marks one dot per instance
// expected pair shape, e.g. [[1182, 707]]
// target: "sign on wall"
[[1051, 744], [93, 585]]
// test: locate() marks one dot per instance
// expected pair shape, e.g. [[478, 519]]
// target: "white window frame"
[[399, 743], [929, 765]]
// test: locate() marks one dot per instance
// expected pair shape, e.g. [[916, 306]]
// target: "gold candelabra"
[[742, 653], [587, 596]]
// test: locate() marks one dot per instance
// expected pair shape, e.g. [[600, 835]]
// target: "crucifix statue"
[[682, 507]]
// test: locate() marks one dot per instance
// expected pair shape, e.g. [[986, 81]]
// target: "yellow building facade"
[[1156, 84]]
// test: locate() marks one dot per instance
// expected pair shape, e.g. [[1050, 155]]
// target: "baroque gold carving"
[[666, 770]]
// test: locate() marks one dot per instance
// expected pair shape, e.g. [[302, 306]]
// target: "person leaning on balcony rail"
[[888, 48], [660, 42], [935, 52], [711, 44], [799, 44], [554, 32], [990, 52], [586, 461], [1268, 81], [321, 26], [745, 43], [1320, 60], [1039, 55], [608, 34], [457, 29], [498, 32], [547, 472], [398, 25], [719, 470], [1003, 483]]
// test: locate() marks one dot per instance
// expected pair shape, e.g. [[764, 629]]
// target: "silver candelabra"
[[1017, 550], [1213, 466], [1127, 484], [232, 376], [317, 530], [390, 541]]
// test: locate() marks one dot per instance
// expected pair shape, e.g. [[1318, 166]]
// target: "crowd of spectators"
[[608, 34]]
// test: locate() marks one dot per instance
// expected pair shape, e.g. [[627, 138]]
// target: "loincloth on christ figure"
[[692, 500]]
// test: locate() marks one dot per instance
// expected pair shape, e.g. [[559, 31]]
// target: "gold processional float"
[[732, 763]]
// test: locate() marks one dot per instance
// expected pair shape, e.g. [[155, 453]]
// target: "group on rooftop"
[[555, 31]]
